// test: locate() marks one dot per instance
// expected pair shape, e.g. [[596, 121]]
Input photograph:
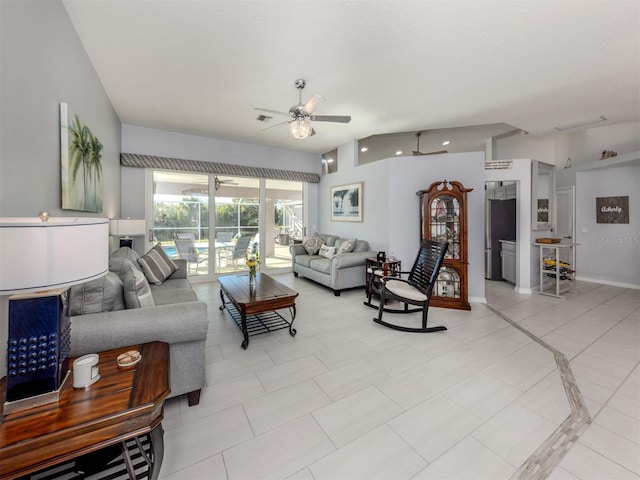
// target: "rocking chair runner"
[[415, 290]]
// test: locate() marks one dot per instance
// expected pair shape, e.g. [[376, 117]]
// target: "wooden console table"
[[124, 404]]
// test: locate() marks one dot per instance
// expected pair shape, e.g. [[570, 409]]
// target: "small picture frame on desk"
[[126, 242], [382, 257]]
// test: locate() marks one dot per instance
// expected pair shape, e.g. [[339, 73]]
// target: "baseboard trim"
[[608, 282]]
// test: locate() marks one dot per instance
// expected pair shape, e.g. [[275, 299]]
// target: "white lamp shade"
[[127, 227], [62, 252]]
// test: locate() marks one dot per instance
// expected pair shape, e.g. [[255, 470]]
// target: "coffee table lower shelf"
[[259, 323]]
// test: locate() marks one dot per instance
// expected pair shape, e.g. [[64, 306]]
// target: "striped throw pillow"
[[156, 265]]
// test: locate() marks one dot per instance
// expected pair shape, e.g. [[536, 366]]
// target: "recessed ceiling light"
[[364, 149], [399, 152], [446, 142]]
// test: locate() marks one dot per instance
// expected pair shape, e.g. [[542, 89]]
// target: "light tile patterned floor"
[[350, 399]]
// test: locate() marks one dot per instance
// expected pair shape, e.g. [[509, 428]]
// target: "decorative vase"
[[252, 276]]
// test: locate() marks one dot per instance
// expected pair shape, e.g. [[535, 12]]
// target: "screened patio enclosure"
[[213, 225]]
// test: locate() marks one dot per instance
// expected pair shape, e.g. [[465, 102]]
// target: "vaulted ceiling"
[[201, 66]]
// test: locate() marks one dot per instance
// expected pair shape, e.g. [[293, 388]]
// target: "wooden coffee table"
[[254, 307], [124, 404]]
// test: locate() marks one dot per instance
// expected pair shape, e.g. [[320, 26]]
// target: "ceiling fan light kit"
[[301, 128], [301, 115]]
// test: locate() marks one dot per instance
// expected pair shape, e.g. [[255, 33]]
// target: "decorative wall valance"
[[164, 163]]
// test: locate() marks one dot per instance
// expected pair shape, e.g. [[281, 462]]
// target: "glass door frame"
[[262, 215]]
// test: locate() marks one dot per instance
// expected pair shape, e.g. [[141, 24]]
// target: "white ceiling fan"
[[417, 151], [301, 115], [217, 183]]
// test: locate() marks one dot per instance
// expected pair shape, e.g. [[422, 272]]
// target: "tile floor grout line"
[[548, 455]]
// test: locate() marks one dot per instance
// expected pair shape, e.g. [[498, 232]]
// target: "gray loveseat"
[[341, 271], [100, 320]]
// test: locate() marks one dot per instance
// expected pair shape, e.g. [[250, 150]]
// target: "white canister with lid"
[[85, 370]]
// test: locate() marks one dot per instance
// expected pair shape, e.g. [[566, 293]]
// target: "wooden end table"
[[253, 307], [124, 404]]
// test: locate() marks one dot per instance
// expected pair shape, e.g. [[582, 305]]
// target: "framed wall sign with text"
[[612, 209]]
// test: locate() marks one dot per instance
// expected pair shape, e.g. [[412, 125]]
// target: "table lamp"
[[40, 258], [125, 228]]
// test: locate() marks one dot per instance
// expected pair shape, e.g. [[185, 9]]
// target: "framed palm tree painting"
[[81, 170]]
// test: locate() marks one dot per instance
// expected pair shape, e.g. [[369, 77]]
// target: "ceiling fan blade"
[[276, 125], [313, 103], [331, 118], [275, 112]]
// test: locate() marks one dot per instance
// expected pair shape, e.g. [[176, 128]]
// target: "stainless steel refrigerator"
[[500, 218]]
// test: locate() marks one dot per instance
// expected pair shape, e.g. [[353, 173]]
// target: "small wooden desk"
[[124, 404], [253, 307]]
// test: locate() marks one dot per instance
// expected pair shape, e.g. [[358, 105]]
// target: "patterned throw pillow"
[[137, 293], [327, 252], [312, 245], [156, 265], [347, 246]]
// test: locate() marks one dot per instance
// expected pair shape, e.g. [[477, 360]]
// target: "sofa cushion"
[[312, 244], [305, 260], [346, 246], [328, 239], [137, 293], [156, 265], [320, 264], [326, 251], [173, 291], [103, 294]]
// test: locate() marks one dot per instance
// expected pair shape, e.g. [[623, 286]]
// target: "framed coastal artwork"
[[346, 203], [80, 164]]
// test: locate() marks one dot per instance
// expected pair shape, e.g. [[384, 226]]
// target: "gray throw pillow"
[[346, 246], [156, 265], [137, 292], [312, 245], [120, 265], [104, 294]]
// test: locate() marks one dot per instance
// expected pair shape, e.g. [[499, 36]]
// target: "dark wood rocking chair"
[[415, 290]]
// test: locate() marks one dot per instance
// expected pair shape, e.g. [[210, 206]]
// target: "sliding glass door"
[[237, 224], [181, 218], [284, 221], [214, 222]]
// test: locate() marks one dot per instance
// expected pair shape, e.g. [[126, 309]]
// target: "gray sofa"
[[100, 321], [340, 272]]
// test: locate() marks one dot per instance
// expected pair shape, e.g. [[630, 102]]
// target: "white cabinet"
[[508, 254]]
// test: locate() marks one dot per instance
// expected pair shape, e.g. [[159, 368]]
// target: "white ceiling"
[[201, 66]]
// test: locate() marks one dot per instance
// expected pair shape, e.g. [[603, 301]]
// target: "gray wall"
[[43, 64]]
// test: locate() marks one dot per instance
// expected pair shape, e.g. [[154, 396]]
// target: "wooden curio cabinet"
[[443, 212]]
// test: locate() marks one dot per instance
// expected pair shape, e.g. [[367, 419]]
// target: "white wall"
[[162, 143], [526, 272], [608, 253], [391, 220]]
